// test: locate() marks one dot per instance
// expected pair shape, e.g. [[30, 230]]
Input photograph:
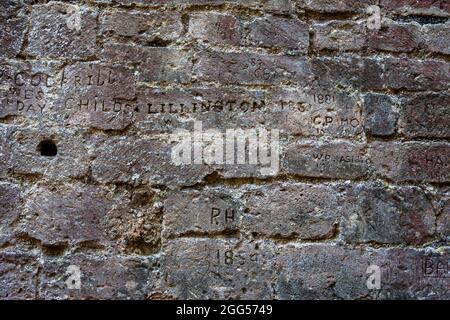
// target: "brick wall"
[[92, 205]]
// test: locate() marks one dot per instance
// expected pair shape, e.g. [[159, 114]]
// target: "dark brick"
[[400, 73], [339, 35], [436, 38], [18, 276], [413, 274], [337, 272], [134, 161], [442, 204], [380, 115], [97, 96], [164, 111], [5, 133], [315, 112], [71, 159]]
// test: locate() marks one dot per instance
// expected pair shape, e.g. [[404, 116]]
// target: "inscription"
[[230, 257], [436, 268], [323, 159], [227, 215]]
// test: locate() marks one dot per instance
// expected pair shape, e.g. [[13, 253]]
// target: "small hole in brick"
[[47, 148]]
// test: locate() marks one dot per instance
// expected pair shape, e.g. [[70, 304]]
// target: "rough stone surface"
[[224, 149], [61, 30]]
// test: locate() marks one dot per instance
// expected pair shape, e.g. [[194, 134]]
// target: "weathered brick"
[[273, 32], [425, 115], [134, 161], [339, 35], [413, 274], [382, 73], [347, 71], [97, 95], [337, 272], [321, 271], [210, 211], [411, 161], [30, 154], [86, 217], [379, 214], [416, 74], [267, 5], [352, 36], [5, 133], [61, 30], [58, 215], [302, 211], [335, 6], [218, 268], [155, 64], [380, 115], [148, 26], [246, 68], [12, 28], [315, 112], [423, 7], [161, 111], [339, 160], [18, 275], [102, 277], [436, 38], [216, 28], [442, 205], [9, 210], [26, 88], [394, 37]]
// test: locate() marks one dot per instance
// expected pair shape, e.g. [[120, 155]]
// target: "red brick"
[[411, 161]]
